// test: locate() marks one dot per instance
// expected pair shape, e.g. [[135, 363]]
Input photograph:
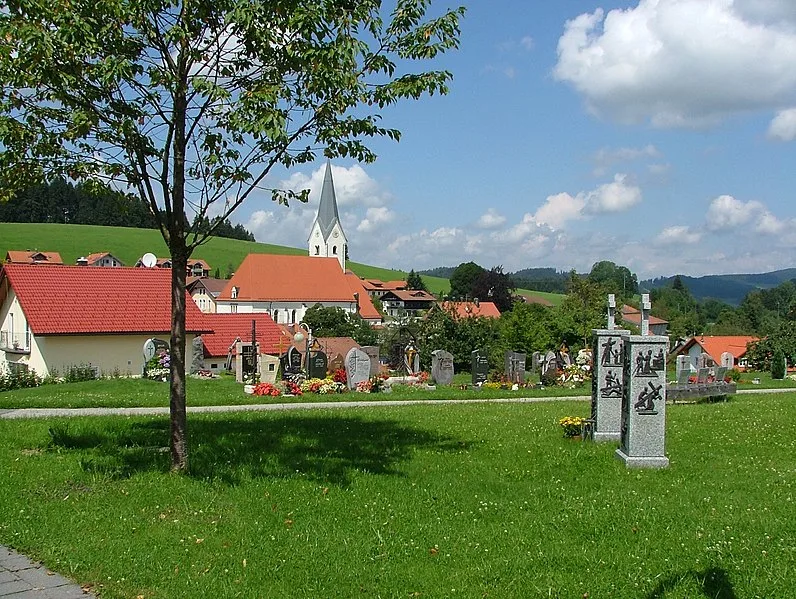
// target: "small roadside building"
[[54, 317], [716, 346]]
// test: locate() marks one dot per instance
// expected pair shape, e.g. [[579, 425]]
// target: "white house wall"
[[283, 310]]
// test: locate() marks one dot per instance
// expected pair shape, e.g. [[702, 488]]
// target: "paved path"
[[22, 579]]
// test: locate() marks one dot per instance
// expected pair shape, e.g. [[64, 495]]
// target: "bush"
[[778, 365], [734, 375], [19, 377], [78, 373]]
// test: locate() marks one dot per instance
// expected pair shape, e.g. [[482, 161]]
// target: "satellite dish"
[[149, 260]]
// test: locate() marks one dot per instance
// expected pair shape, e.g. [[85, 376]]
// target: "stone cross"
[[646, 306], [611, 311]]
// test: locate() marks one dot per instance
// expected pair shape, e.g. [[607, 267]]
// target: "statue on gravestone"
[[608, 352], [197, 355], [613, 386], [646, 399]]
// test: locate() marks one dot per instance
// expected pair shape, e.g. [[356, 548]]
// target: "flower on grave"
[[267, 389], [364, 386], [340, 376], [158, 367], [572, 425], [291, 388], [573, 376], [322, 386]]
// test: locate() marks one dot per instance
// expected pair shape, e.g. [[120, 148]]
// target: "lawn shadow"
[[714, 582], [328, 449]]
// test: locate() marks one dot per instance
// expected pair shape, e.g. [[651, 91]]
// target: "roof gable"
[[63, 300], [715, 345], [31, 257]]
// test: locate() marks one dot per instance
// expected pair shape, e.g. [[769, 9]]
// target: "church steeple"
[[326, 235]]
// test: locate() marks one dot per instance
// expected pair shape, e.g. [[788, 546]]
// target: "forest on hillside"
[[60, 201]]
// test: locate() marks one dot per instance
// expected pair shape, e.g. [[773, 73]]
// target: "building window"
[[276, 316], [334, 250], [317, 250], [293, 317], [233, 308]]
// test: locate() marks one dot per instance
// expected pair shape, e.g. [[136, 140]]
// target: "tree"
[[615, 279], [581, 311], [192, 104], [494, 286], [415, 281], [463, 278], [778, 365]]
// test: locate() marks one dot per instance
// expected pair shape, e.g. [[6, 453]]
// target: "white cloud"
[[783, 126], [527, 42], [374, 218], [681, 63], [491, 220], [725, 212], [616, 196], [558, 209], [769, 224], [678, 235]]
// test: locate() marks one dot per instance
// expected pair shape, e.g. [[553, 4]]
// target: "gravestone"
[[291, 361], [549, 361], [411, 359], [442, 367], [152, 347], [373, 354], [318, 364], [479, 366], [536, 361], [727, 360], [704, 361], [336, 363], [644, 402], [357, 367], [197, 355], [683, 364], [607, 383], [247, 363], [269, 368], [515, 366]]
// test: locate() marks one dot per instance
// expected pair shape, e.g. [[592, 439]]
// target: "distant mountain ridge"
[[727, 288]]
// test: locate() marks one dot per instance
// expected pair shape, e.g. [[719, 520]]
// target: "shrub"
[[19, 377], [734, 375], [77, 374], [778, 365]]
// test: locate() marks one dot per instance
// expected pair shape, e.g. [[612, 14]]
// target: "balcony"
[[18, 343]]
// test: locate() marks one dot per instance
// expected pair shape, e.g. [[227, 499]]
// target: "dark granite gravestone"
[[291, 362], [479, 366], [197, 355], [442, 367], [515, 366], [318, 365], [152, 347], [357, 367]]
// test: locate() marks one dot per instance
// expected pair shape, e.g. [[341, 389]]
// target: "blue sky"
[[659, 134]]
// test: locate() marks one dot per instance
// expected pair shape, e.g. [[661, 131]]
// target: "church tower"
[[327, 238]]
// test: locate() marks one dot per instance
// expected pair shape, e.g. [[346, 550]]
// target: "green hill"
[[128, 245]]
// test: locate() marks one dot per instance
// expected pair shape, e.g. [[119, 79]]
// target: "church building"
[[327, 239]]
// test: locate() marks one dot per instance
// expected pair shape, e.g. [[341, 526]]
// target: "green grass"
[[430, 501], [128, 393]]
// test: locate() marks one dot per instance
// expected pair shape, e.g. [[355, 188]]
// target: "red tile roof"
[[28, 257], [714, 346], [64, 300], [412, 295], [228, 327], [366, 308], [377, 285], [470, 309], [633, 316], [271, 277], [96, 257]]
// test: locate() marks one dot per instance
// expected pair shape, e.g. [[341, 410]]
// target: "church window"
[[276, 316], [334, 250], [317, 250], [293, 317]]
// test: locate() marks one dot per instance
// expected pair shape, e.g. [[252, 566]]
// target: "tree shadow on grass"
[[713, 581], [227, 449]]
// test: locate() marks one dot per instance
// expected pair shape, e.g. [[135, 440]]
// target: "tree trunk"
[[177, 403]]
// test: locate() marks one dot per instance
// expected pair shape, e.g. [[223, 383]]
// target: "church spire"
[[326, 235]]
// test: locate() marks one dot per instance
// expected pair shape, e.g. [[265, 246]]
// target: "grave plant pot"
[[248, 389]]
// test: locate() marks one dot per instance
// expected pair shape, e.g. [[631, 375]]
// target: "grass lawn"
[[128, 393], [419, 501]]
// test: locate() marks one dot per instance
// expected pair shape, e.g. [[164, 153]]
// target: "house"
[[715, 347], [105, 259], [286, 286], [327, 238], [195, 268], [365, 306], [471, 309], [409, 302], [227, 328], [35, 257], [377, 289], [53, 317], [632, 315], [204, 291]]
